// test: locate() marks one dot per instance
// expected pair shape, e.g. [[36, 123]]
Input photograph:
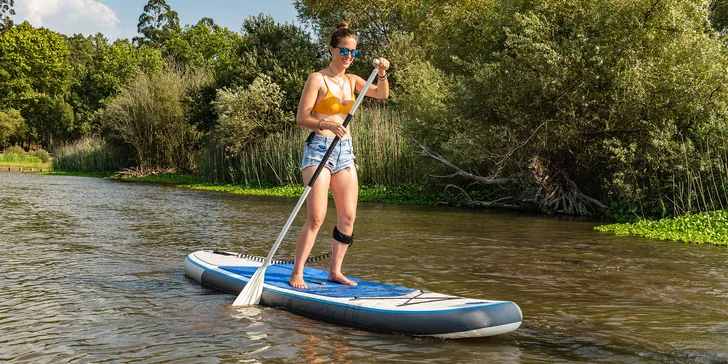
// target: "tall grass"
[[87, 155], [701, 184], [385, 158]]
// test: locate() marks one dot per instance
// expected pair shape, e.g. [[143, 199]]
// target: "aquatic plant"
[[702, 228]]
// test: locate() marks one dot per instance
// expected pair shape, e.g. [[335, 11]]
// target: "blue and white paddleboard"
[[373, 306]]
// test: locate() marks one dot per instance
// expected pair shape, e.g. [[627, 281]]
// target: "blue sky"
[[119, 18]]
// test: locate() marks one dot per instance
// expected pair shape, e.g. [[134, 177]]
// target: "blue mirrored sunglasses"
[[344, 51]]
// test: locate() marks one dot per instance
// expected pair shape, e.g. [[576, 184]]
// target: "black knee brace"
[[341, 238]]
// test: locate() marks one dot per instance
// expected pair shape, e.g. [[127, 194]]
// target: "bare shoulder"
[[316, 78], [354, 77]]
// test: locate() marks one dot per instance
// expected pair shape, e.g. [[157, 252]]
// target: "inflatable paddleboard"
[[374, 306]]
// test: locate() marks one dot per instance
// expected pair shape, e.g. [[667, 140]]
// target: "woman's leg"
[[315, 213], [345, 188]]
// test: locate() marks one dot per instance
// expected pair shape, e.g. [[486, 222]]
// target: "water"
[[92, 272]]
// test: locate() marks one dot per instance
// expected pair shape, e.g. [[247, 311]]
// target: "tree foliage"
[[157, 24], [6, 9], [606, 94], [149, 115], [12, 127], [35, 76], [283, 52], [100, 71], [249, 114]]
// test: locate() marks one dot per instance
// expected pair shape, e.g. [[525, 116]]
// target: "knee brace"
[[341, 238]]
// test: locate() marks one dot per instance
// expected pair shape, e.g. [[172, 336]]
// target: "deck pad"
[[316, 279]]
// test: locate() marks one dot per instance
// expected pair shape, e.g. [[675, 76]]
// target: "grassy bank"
[[25, 165], [404, 195], [16, 157], [703, 228]]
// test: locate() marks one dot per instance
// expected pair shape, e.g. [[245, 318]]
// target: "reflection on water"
[[92, 271]]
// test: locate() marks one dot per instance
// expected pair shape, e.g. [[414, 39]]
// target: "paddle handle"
[[320, 167]]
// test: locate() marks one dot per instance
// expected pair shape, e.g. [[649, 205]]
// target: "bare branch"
[[460, 172]]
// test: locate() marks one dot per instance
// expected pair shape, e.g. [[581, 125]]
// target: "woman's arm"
[[305, 104], [381, 89]]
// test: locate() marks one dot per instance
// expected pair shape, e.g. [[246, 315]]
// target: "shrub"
[[41, 154], [12, 157], [247, 114], [15, 149], [149, 115]]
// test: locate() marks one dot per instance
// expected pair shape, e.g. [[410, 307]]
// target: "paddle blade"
[[250, 295]]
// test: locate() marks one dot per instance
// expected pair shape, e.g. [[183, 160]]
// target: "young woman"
[[327, 98]]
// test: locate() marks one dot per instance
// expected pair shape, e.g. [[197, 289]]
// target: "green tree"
[[576, 98], [12, 127], [719, 15], [211, 47], [157, 24], [35, 76], [6, 9], [283, 52], [101, 71], [204, 44]]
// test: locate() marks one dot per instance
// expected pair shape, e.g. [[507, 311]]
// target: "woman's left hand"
[[383, 66]]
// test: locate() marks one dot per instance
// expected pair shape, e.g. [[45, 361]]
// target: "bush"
[[149, 115], [15, 149], [12, 126], [12, 157], [247, 114], [41, 154]]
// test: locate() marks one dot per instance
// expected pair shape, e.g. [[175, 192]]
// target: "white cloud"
[[69, 17]]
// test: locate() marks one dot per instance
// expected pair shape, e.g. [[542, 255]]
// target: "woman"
[[327, 98]]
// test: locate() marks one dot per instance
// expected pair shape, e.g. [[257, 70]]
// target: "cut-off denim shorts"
[[341, 158]]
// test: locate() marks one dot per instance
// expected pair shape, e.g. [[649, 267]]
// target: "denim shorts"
[[341, 158]]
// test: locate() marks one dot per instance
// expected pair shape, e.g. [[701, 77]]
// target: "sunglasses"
[[344, 51]]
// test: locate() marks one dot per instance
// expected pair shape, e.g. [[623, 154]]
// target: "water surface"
[[93, 272]]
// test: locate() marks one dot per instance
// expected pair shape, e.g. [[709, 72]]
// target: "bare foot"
[[339, 278], [296, 281]]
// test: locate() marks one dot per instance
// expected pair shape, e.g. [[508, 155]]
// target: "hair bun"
[[342, 24]]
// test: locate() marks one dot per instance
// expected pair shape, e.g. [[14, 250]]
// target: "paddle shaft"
[[320, 167]]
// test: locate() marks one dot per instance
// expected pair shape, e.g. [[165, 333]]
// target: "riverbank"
[[23, 168], [16, 159]]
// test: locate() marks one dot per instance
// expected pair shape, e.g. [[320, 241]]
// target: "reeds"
[[87, 155], [384, 156], [702, 185]]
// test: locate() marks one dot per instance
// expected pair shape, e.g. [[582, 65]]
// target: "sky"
[[119, 18]]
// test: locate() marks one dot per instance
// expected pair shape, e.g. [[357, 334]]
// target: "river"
[[93, 272]]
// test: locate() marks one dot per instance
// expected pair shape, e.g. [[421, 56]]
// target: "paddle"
[[250, 295]]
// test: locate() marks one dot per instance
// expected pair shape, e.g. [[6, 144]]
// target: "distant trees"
[[6, 9], [35, 76], [157, 24]]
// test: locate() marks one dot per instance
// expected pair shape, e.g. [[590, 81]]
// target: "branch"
[[459, 171]]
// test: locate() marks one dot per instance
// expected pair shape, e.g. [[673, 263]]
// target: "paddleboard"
[[369, 305]]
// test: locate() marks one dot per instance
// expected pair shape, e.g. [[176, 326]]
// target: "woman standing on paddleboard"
[[327, 98]]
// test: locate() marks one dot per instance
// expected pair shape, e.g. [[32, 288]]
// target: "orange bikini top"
[[331, 105]]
